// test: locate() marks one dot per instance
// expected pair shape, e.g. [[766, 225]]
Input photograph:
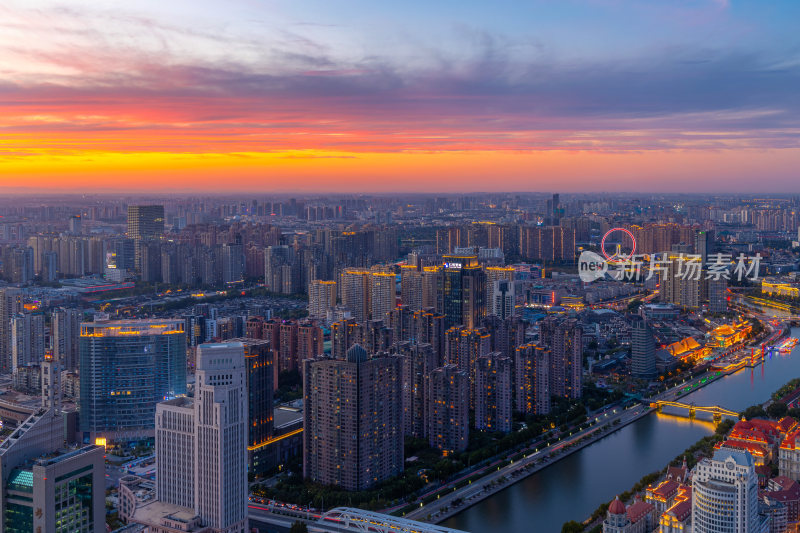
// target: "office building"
[[145, 221], [175, 452], [353, 435], [221, 421], [643, 349], [725, 494], [126, 368], [448, 409], [564, 338], [462, 291], [201, 449], [321, 298], [45, 485], [493, 392], [532, 379], [258, 358]]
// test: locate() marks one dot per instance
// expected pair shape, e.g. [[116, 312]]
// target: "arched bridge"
[[717, 411]]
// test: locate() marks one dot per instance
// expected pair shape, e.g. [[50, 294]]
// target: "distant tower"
[[51, 383], [145, 221], [643, 349]]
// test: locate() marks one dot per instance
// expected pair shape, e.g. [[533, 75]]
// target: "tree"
[[754, 411], [794, 412], [299, 527], [777, 410], [572, 527]]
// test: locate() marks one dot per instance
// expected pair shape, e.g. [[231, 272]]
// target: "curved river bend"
[[573, 488]]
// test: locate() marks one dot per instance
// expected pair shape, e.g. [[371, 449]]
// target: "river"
[[573, 488]]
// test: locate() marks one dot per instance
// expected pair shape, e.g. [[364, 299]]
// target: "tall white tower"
[[220, 407]]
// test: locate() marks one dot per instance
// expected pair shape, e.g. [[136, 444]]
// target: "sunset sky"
[[437, 95]]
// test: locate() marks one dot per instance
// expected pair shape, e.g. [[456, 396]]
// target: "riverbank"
[[475, 492], [510, 476]]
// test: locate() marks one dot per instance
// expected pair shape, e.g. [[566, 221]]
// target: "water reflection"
[[572, 488]]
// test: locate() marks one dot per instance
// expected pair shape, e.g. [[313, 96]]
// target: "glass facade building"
[[126, 367]]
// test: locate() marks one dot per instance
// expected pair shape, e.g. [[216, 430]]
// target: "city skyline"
[[580, 96]]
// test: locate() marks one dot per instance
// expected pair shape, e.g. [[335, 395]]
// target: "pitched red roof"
[[638, 510]]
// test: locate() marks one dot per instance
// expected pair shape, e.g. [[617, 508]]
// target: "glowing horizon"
[[598, 95]]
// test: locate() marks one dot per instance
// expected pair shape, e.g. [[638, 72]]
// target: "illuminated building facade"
[[259, 369], [321, 297], [532, 379], [126, 367], [493, 393], [725, 493], [353, 427], [448, 409], [564, 339], [462, 290]]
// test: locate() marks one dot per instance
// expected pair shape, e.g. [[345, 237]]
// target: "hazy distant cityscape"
[[315, 363]]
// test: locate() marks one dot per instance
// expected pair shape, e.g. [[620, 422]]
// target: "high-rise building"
[[681, 281], [355, 293], [717, 295], [175, 452], [725, 493], [643, 349], [76, 224], [232, 263], [532, 379], [221, 421], [463, 347], [447, 422], [353, 434], [258, 358], [321, 297], [126, 368], [280, 274], [493, 275], [411, 287], [564, 339], [493, 393], [502, 300], [201, 447], [145, 221], [65, 332], [10, 305], [462, 291], [310, 342], [27, 339], [287, 346], [382, 292]]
